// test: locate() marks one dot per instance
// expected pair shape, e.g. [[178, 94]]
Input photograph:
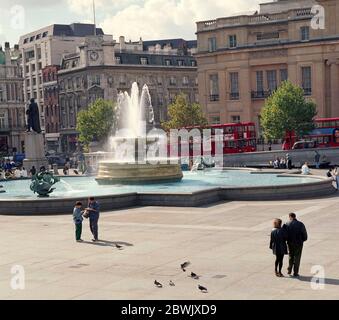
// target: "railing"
[[260, 94], [214, 97], [12, 128], [307, 91], [234, 96], [254, 19]]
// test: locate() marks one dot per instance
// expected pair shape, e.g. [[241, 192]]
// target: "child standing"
[[78, 218]]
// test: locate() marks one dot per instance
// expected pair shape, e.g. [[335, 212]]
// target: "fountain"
[[132, 143]]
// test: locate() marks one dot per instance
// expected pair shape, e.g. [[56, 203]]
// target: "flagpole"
[[95, 27]]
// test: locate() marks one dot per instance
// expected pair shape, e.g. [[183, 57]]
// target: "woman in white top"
[[24, 173]]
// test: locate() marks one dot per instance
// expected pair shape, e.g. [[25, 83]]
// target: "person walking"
[[78, 218], [278, 245], [296, 236], [94, 214], [289, 162], [317, 158]]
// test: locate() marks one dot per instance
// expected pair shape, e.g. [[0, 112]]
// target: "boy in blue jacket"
[[78, 218]]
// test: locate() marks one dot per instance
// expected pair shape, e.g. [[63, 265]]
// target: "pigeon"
[[194, 276], [172, 284], [76, 172], [158, 284], [185, 265], [202, 289], [118, 247]]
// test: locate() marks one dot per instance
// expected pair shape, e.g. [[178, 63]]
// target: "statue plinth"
[[35, 151]]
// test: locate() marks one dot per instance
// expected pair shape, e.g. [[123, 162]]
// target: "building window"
[[212, 44], [283, 75], [185, 81], [118, 60], [144, 61], [214, 87], [31, 39], [272, 80], [215, 120], [234, 86], [173, 81], [305, 33], [180, 63], [159, 81], [38, 36], [193, 63], [235, 119], [45, 34], [306, 76], [260, 81], [232, 41], [26, 40], [168, 62], [27, 69]]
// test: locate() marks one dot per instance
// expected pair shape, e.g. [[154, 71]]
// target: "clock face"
[[94, 56]]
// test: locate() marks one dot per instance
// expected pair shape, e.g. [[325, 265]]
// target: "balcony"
[[307, 92], [234, 96], [214, 97], [9, 128], [260, 94]]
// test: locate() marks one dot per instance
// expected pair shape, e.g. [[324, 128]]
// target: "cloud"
[[153, 19]]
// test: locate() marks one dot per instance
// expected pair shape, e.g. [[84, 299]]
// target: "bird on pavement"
[[118, 247], [76, 172], [202, 289], [172, 284], [185, 265], [158, 284], [194, 276]]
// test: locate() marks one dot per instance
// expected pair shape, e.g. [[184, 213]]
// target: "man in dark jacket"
[[297, 235]]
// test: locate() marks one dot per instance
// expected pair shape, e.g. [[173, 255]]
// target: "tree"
[[182, 114], [287, 111], [97, 122]]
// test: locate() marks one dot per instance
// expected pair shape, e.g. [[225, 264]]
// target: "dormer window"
[[168, 62], [180, 63], [118, 60]]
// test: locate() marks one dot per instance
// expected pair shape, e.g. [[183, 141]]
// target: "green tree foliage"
[[287, 111], [97, 122], [182, 114]]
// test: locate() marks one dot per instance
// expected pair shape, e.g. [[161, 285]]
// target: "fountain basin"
[[111, 172]]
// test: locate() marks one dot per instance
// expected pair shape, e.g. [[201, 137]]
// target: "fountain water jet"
[[131, 142]]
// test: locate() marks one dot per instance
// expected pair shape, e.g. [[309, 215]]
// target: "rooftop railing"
[[254, 19]]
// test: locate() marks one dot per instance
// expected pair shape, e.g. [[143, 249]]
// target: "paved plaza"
[[226, 243]]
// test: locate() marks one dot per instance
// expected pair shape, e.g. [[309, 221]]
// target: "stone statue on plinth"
[[34, 139], [33, 117]]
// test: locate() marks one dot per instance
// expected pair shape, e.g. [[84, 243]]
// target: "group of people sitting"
[[283, 163]]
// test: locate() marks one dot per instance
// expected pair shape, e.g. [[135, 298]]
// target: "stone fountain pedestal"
[[34, 151]]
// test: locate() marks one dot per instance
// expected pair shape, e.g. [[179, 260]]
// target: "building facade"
[[45, 47], [51, 105], [12, 107], [97, 70], [243, 59]]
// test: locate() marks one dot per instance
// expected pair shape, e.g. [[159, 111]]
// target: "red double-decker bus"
[[325, 135], [235, 137]]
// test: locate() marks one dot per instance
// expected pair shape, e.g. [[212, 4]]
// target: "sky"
[[149, 19]]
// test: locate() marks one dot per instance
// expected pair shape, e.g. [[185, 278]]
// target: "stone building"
[[51, 105], [45, 47], [12, 107], [97, 70], [242, 59]]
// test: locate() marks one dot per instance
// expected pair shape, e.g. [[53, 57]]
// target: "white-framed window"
[[306, 78], [305, 33], [232, 41], [235, 119], [212, 44], [144, 61]]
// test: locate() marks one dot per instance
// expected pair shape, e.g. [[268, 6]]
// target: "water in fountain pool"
[[87, 186]]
